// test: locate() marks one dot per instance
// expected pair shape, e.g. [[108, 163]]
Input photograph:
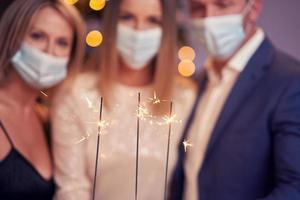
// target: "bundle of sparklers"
[[168, 120]]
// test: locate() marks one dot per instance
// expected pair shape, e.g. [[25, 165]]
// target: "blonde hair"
[[15, 23], [104, 59]]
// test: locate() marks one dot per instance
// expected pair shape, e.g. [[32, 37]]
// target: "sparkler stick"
[[168, 152], [137, 147], [97, 152]]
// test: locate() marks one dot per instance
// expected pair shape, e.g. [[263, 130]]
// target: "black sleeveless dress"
[[19, 180]]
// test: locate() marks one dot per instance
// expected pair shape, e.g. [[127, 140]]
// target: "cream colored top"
[[75, 118], [214, 97]]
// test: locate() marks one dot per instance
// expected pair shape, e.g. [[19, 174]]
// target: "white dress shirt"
[[214, 97]]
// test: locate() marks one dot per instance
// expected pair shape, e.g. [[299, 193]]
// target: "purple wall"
[[281, 21]]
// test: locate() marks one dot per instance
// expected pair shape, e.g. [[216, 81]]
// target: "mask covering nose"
[[137, 48], [38, 69], [221, 35]]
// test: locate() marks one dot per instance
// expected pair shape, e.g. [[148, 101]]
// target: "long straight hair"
[[16, 21], [104, 59]]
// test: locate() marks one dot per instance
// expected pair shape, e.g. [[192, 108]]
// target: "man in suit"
[[245, 128]]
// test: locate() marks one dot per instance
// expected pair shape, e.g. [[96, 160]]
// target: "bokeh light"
[[97, 4], [94, 38], [186, 53], [186, 68], [71, 2]]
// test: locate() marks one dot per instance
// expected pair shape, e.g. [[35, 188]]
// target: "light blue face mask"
[[138, 48], [221, 35], [38, 69]]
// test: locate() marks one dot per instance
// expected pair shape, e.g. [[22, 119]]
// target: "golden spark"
[[89, 102], [155, 99], [84, 138], [103, 124], [169, 120], [43, 93], [186, 144], [143, 112]]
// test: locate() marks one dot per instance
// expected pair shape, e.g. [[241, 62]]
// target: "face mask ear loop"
[[247, 8], [211, 39]]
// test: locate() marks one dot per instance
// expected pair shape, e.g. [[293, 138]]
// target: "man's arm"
[[286, 140]]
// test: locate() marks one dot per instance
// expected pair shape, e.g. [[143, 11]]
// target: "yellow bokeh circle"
[[186, 68], [71, 2], [186, 53], [94, 38], [97, 4]]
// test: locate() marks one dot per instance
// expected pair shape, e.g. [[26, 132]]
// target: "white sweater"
[[75, 116]]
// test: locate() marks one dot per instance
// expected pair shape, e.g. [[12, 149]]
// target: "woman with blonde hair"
[[138, 55], [40, 43]]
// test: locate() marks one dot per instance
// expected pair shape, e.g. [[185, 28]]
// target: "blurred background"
[[280, 20]]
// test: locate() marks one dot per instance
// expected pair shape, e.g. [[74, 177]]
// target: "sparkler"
[[168, 149], [142, 113], [97, 152], [137, 147]]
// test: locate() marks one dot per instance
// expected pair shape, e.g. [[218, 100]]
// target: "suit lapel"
[[247, 81]]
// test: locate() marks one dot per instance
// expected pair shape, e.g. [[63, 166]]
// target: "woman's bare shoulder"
[[5, 145]]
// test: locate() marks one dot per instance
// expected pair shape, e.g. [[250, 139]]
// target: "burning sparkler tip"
[[186, 145]]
